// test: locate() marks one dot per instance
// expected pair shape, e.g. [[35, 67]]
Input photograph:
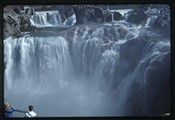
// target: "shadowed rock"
[[117, 16], [136, 16], [89, 13]]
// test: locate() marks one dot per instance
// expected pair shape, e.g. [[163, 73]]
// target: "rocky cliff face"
[[15, 20], [160, 13], [85, 13], [136, 16], [90, 13], [11, 21], [64, 10]]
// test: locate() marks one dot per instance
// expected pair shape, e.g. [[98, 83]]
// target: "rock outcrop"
[[89, 13], [11, 26], [14, 20], [117, 16], [65, 11], [11, 21], [136, 16], [161, 21], [161, 13]]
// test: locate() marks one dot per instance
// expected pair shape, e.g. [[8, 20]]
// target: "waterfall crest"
[[46, 19]]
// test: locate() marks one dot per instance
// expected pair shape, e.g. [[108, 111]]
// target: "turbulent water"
[[111, 69]]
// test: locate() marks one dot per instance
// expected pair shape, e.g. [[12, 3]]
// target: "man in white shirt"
[[30, 113]]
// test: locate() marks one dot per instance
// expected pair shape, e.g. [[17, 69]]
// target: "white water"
[[70, 21], [122, 11], [49, 12], [84, 76], [46, 19], [150, 21]]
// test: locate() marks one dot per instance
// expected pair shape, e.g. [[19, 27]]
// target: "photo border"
[[54, 2]]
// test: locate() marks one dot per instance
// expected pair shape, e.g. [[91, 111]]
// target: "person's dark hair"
[[30, 107]]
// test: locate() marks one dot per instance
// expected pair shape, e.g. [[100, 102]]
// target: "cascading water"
[[46, 19], [89, 70], [150, 21], [70, 21]]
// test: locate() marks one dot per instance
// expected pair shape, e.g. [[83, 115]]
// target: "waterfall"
[[150, 21], [46, 19], [70, 21], [112, 17], [90, 70]]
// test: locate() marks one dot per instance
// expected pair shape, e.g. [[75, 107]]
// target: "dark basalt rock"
[[161, 22], [87, 13], [108, 16], [112, 33], [65, 11], [123, 32], [136, 16], [11, 26], [117, 16], [15, 21], [130, 57]]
